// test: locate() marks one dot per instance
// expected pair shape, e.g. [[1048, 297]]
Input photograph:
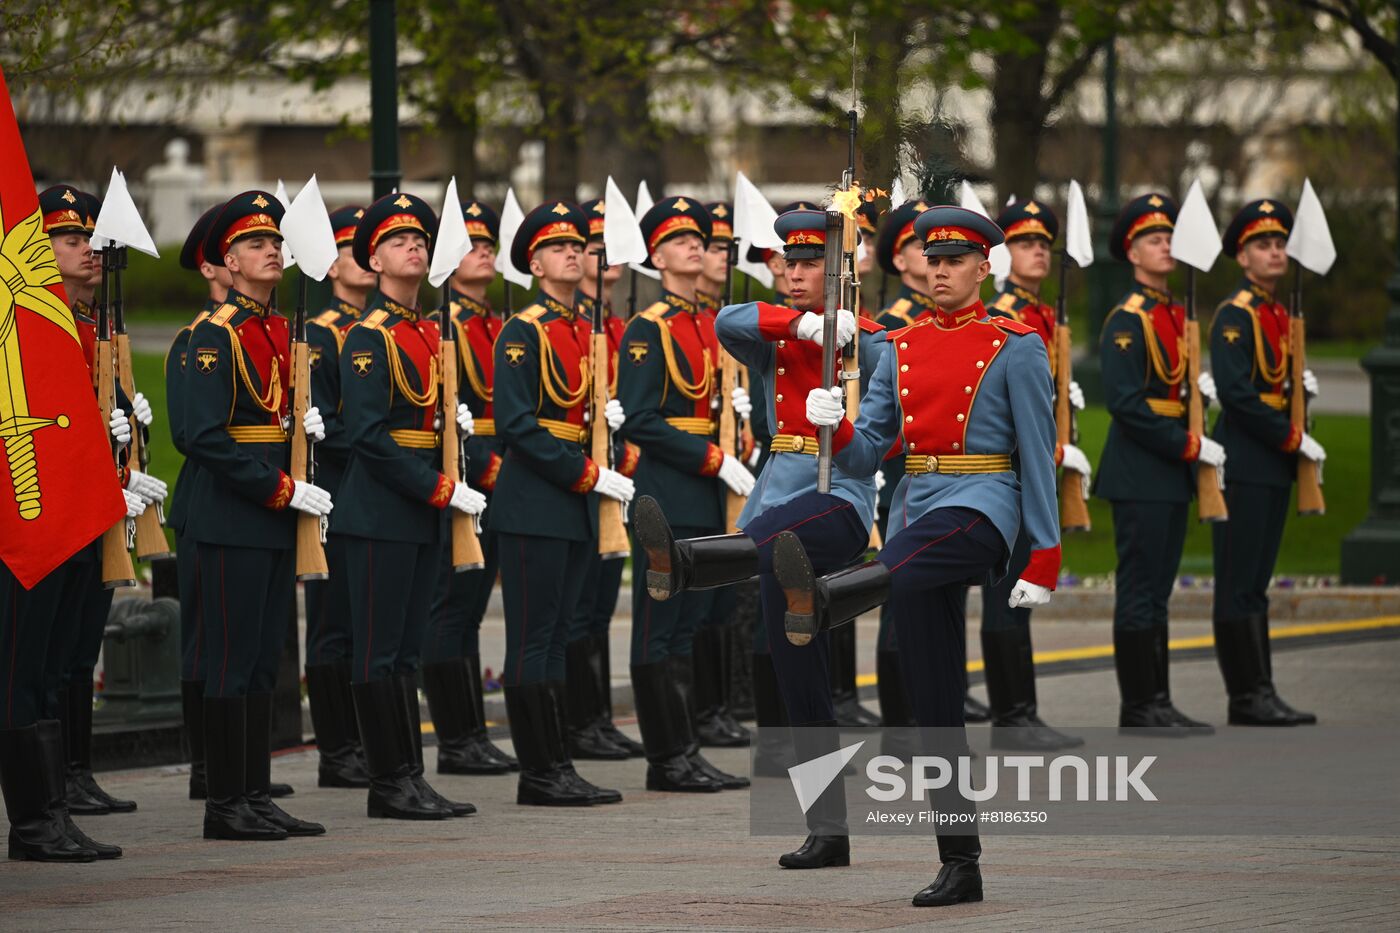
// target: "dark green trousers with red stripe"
[[247, 598], [391, 593], [541, 585]]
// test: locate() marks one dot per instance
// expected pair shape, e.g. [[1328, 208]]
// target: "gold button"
[[912, 445], [967, 390], [908, 418], [904, 368], [903, 391], [904, 345], [980, 364], [782, 371], [955, 445], [780, 424], [996, 343], [782, 343], [961, 416], [780, 396]]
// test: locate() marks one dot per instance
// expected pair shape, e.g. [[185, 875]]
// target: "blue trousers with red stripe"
[[246, 601], [541, 585], [931, 562], [601, 584], [390, 596], [834, 537]]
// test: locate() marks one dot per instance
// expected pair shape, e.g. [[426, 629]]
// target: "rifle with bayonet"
[[1310, 499], [311, 529], [117, 569], [612, 534], [466, 544], [1074, 511], [1210, 501]]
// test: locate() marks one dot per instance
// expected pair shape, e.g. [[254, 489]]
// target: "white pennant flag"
[[644, 204], [622, 236], [451, 242], [306, 230], [1195, 238], [118, 220], [897, 195], [1079, 241], [511, 218], [288, 258], [753, 227], [1000, 256], [1310, 242]]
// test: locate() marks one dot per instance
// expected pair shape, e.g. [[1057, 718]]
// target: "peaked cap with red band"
[[673, 217], [396, 212], [1256, 219], [1029, 219], [252, 213], [64, 210], [946, 230], [344, 220], [551, 222], [897, 230], [1148, 213], [192, 253]]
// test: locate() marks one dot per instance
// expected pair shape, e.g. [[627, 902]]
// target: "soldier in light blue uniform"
[[782, 347], [964, 394]]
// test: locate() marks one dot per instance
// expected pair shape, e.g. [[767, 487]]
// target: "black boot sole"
[[799, 583], [19, 853], [393, 813], [651, 530], [971, 897]]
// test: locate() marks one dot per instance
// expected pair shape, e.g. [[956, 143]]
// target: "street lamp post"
[[1107, 278], [383, 97], [1371, 553]]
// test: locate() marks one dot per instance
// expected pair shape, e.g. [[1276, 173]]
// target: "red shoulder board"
[[869, 326], [1010, 326]]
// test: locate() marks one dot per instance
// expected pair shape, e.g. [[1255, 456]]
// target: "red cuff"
[[1193, 448], [1295, 439], [442, 494], [714, 459], [775, 321], [1043, 569], [631, 456], [748, 446], [283, 496], [588, 479], [493, 470], [1059, 453], [842, 436]]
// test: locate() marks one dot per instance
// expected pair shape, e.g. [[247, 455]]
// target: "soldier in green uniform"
[[1030, 227], [328, 650], [666, 383], [452, 648], [241, 509], [544, 508], [1146, 468], [1249, 359], [393, 498], [587, 656]]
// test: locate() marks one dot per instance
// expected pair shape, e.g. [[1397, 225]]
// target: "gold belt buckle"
[[930, 464], [797, 443]]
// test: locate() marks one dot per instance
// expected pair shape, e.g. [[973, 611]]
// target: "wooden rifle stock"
[[311, 552], [612, 533], [466, 545], [1310, 500], [1074, 511], [1210, 501], [117, 569]]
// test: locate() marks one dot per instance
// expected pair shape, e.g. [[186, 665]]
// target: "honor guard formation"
[[804, 453]]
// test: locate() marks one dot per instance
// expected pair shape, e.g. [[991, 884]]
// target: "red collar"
[[951, 319]]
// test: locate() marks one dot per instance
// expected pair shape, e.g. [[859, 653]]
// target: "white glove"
[[1311, 449], [1212, 453], [1076, 460], [1206, 383], [736, 476], [879, 480], [141, 408], [809, 327], [146, 486], [1026, 593], [314, 426], [743, 406], [756, 456], [826, 406], [613, 414], [1309, 383], [465, 424], [1076, 396], [310, 499], [614, 485], [466, 499], [135, 505], [120, 427]]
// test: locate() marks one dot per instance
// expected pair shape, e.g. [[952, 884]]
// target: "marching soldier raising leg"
[[543, 508], [240, 516], [1249, 359], [1146, 467], [394, 496], [452, 648]]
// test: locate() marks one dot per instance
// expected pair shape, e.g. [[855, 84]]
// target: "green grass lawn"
[[1311, 545]]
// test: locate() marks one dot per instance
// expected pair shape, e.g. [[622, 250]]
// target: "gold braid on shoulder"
[[474, 376], [1154, 351], [1271, 374], [554, 385], [270, 402], [425, 399], [695, 391]]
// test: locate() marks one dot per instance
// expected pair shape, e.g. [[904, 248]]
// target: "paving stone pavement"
[[661, 861]]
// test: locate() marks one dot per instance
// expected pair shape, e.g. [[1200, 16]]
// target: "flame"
[[847, 201]]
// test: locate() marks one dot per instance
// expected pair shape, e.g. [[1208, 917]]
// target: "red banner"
[[58, 483]]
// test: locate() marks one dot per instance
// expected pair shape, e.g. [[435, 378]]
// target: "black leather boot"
[[681, 710], [844, 694], [55, 780], [1241, 657], [713, 726], [959, 881], [1162, 656], [691, 563], [771, 756], [227, 813], [339, 765], [412, 712], [472, 663], [736, 678], [454, 713], [828, 844], [1140, 711], [974, 710], [383, 730], [541, 782], [559, 747], [668, 767], [600, 663], [192, 709], [1010, 670], [1260, 622], [352, 723], [257, 763], [79, 736], [816, 604], [583, 708], [37, 833], [78, 798]]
